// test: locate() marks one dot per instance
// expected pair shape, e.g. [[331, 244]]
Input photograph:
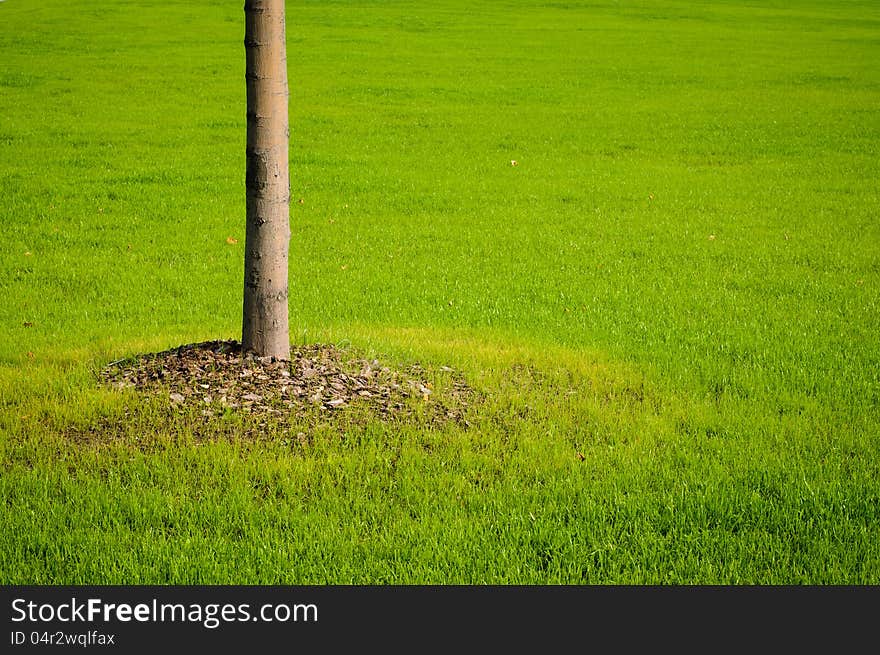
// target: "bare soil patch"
[[216, 377]]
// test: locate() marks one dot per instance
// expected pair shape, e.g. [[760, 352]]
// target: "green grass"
[[671, 303]]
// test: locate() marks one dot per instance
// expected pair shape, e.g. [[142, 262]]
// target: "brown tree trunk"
[[265, 329]]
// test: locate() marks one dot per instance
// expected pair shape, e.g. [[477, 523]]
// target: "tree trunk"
[[265, 329]]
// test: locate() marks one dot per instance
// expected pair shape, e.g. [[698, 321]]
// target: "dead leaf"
[[231, 241]]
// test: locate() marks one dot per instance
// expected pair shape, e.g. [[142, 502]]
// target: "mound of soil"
[[216, 376]]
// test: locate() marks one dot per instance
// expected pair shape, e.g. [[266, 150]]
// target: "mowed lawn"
[[646, 233]]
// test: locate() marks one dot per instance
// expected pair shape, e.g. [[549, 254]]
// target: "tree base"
[[216, 377]]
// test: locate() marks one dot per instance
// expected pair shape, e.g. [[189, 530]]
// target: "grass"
[[671, 303]]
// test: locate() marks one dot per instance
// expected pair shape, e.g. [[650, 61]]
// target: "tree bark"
[[265, 330]]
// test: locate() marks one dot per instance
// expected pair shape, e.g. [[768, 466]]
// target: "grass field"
[[670, 304]]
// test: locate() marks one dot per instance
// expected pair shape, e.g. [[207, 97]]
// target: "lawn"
[[645, 234]]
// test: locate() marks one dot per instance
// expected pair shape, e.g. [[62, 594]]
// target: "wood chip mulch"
[[216, 377]]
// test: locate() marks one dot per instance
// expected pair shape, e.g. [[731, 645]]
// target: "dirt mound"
[[216, 377]]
